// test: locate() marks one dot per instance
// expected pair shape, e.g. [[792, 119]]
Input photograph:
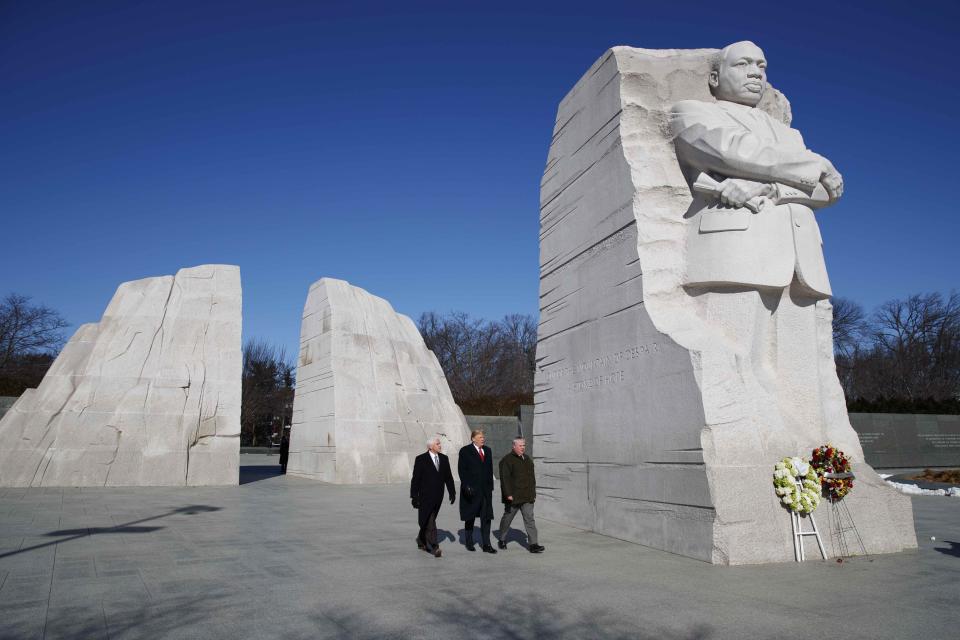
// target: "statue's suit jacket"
[[736, 246]]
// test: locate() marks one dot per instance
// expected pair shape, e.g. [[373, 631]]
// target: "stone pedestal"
[[150, 395], [369, 392], [649, 426]]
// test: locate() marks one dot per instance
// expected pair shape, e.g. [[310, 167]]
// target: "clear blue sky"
[[400, 145]]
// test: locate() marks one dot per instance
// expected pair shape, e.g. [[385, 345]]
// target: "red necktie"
[[481, 455]]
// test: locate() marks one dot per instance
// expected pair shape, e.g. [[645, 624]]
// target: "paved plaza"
[[284, 557]]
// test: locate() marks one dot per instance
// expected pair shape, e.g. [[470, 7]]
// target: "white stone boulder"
[[369, 392], [650, 425], [150, 395]]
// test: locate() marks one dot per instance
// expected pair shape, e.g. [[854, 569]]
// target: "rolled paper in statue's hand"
[[706, 185]]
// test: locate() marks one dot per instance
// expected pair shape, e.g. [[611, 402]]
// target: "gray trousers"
[[526, 510]]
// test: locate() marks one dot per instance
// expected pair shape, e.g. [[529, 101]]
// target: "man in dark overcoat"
[[431, 473], [476, 489]]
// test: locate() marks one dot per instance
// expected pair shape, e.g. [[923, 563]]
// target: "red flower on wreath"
[[827, 459]]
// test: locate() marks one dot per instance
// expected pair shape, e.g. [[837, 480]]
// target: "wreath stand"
[[798, 533], [840, 512]]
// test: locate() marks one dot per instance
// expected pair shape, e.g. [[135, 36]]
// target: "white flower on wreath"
[[803, 498]]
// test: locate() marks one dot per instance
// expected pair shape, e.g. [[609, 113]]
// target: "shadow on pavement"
[[256, 473], [532, 616], [513, 535], [66, 535], [443, 535], [953, 550]]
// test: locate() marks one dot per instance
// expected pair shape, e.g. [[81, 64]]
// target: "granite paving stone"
[[293, 558]]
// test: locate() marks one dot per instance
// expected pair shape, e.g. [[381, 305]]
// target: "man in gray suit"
[[754, 258]]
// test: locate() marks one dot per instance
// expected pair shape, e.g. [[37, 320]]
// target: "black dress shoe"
[[470, 547], [536, 548], [501, 544], [436, 552], [419, 544], [488, 549]]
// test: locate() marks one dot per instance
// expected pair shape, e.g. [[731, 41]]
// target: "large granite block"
[[369, 392], [654, 420], [150, 395]]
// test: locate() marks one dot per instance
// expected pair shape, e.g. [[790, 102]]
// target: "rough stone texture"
[[369, 392], [646, 426], [150, 395]]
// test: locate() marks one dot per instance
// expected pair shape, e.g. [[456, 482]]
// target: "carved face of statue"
[[742, 76]]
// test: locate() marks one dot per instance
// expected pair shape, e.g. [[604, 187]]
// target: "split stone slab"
[[369, 392], [150, 395]]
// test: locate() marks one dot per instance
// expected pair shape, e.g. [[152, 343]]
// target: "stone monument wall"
[[150, 395], [645, 428], [369, 392], [894, 440]]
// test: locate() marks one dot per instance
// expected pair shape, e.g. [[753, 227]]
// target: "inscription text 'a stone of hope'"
[[598, 363]]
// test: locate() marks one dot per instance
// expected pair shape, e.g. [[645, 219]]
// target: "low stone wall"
[[261, 450], [902, 440], [5, 403]]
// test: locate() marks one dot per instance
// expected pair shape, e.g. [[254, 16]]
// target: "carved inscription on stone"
[[870, 437], [589, 384], [601, 362], [942, 440]]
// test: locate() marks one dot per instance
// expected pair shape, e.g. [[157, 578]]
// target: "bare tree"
[[489, 365], [30, 337], [849, 329], [904, 357], [920, 339], [266, 403], [28, 329], [849, 326]]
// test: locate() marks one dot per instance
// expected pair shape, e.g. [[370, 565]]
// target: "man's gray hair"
[[433, 439], [519, 439]]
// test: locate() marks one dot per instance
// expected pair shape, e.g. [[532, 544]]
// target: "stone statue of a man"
[[754, 260], [735, 155]]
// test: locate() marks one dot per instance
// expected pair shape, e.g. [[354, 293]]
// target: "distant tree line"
[[489, 365], [266, 404], [902, 358], [31, 335]]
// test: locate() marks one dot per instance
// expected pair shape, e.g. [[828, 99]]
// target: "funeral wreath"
[[827, 459], [803, 497]]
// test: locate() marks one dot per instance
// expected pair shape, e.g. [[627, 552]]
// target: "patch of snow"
[[914, 490]]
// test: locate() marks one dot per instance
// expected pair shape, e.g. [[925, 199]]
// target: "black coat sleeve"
[[448, 478], [462, 468], [417, 479], [488, 467]]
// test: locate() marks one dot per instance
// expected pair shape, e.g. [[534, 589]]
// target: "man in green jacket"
[[518, 486]]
